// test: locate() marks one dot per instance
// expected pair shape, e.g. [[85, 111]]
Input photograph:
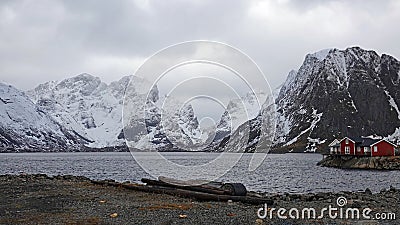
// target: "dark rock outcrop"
[[354, 162]]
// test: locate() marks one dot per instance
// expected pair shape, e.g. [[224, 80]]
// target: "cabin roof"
[[365, 141], [368, 142], [335, 143], [387, 142], [357, 140]]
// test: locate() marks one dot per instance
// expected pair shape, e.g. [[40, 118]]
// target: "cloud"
[[53, 39]]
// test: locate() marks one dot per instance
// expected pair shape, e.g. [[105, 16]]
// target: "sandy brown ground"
[[39, 199]]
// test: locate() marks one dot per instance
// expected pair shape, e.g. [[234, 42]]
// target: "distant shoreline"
[[364, 163]]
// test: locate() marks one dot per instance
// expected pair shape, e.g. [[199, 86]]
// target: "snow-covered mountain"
[[238, 112], [256, 133], [93, 110], [166, 124], [86, 106], [25, 127], [175, 130], [336, 93]]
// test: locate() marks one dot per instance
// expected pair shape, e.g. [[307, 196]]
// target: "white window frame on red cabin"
[[347, 150], [375, 149]]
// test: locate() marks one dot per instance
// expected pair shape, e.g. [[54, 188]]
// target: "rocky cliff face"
[[25, 127], [336, 93]]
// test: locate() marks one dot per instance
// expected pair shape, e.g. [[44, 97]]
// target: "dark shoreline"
[[41, 199], [383, 163]]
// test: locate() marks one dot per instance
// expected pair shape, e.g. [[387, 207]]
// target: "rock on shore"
[[354, 162]]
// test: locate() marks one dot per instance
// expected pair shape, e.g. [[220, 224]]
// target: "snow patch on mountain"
[[395, 137], [393, 103]]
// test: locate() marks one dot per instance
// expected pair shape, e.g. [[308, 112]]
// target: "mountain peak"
[[85, 76], [321, 55]]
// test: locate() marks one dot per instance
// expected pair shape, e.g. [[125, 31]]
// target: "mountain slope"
[[85, 105], [25, 127]]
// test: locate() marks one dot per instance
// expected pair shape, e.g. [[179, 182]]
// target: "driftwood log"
[[200, 188], [211, 187], [200, 196]]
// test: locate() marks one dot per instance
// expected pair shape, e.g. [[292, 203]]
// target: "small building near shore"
[[334, 147], [361, 146]]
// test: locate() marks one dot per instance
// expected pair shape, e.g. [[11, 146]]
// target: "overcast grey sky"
[[50, 40]]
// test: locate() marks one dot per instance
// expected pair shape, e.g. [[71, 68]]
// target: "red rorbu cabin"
[[362, 147]]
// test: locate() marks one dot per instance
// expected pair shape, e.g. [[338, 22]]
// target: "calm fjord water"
[[293, 173]]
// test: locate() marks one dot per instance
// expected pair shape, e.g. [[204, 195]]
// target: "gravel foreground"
[[40, 199]]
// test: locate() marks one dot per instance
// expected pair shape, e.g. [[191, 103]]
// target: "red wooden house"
[[362, 147]]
